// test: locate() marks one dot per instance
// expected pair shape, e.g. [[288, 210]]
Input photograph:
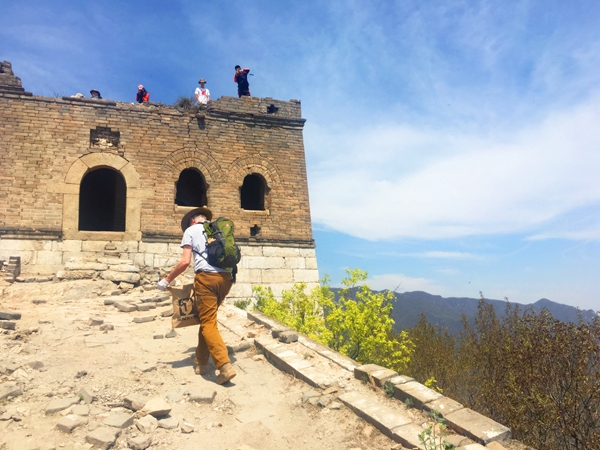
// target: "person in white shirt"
[[211, 285], [202, 93]]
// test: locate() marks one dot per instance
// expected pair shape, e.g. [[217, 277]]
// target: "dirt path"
[[262, 408]]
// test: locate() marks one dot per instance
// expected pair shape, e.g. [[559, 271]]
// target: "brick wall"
[[47, 146]]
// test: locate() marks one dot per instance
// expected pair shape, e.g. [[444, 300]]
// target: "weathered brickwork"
[[48, 145]]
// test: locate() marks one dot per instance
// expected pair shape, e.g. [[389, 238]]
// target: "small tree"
[[361, 325], [358, 325]]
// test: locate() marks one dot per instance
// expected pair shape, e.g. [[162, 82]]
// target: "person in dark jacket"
[[95, 93], [142, 95], [241, 78]]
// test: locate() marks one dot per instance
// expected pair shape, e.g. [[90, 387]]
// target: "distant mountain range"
[[447, 312]]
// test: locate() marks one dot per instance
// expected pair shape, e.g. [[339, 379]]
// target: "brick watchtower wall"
[[49, 146]]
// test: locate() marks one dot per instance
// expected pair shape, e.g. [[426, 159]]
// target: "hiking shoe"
[[226, 373], [201, 370]]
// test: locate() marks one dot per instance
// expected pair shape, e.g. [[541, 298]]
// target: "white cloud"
[[402, 283], [504, 184]]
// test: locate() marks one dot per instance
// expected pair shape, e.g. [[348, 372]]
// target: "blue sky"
[[466, 133]]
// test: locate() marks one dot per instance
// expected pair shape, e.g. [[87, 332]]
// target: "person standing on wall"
[[211, 285], [202, 93], [142, 95], [241, 78]]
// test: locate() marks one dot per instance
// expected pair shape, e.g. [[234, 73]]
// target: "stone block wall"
[[48, 146]]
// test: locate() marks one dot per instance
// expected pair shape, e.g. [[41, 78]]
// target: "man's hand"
[[162, 284]]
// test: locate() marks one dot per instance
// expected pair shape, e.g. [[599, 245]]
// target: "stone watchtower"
[[91, 178]]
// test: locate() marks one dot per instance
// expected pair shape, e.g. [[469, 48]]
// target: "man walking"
[[211, 285], [241, 78]]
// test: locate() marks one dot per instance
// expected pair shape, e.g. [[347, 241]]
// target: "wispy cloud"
[[403, 283], [511, 184]]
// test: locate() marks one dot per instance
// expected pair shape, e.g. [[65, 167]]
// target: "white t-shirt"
[[196, 237], [202, 95]]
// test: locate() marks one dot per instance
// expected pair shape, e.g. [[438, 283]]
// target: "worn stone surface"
[[146, 424], [202, 395], [156, 407], [381, 417], [135, 402], [168, 423], [139, 442], [103, 437], [443, 405], [68, 423], [87, 395], [143, 319], [416, 392], [59, 404], [10, 315], [7, 325], [9, 389], [288, 336], [476, 426], [119, 420]]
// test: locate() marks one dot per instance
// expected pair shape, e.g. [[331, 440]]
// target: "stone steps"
[[474, 431]]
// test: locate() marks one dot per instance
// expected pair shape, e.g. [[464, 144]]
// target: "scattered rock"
[[80, 410], [70, 422], [330, 390], [287, 337], [158, 336], [107, 327], [143, 319], [171, 334], [59, 404], [147, 424], [95, 321], [103, 437], [202, 395], [335, 405], [7, 325], [310, 394], [168, 423], [10, 315], [139, 442], [35, 365], [258, 358], [156, 407], [86, 395], [119, 420], [325, 400], [125, 307], [187, 427], [135, 402], [39, 301]]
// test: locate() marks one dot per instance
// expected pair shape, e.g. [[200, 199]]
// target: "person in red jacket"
[[142, 95]]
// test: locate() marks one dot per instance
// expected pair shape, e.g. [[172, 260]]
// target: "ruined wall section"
[[43, 138], [49, 144]]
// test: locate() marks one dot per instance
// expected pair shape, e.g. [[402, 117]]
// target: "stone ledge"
[[292, 363], [382, 417], [416, 392], [476, 426]]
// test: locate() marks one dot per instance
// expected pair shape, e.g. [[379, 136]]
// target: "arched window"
[[190, 189], [102, 201], [252, 193]]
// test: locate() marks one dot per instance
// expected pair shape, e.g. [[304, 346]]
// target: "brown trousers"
[[211, 289]]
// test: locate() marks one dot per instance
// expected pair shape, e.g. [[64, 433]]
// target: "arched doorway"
[[252, 192], [102, 201], [190, 188]]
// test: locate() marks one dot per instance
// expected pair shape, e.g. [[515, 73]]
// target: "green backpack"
[[221, 249]]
